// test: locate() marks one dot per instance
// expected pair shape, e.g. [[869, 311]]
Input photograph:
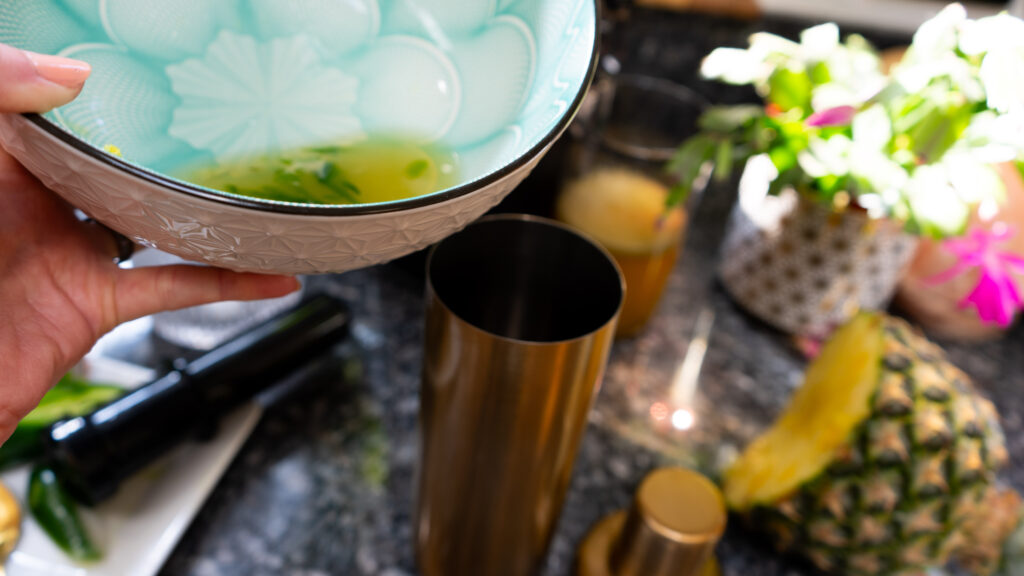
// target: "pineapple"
[[880, 457], [985, 541]]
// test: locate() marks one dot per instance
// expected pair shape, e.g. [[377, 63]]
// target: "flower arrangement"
[[915, 144]]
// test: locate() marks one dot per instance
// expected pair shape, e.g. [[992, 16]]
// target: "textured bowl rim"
[[188, 189]]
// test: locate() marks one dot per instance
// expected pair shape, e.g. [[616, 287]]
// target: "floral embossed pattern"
[[286, 97], [180, 81]]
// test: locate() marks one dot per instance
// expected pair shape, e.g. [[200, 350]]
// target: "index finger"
[[31, 82]]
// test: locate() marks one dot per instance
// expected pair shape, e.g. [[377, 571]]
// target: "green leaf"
[[938, 130], [820, 74], [326, 149], [57, 514], [784, 181], [789, 88], [763, 135], [326, 171], [727, 119], [685, 165], [692, 147], [830, 184], [723, 159], [416, 168], [783, 158], [909, 110]]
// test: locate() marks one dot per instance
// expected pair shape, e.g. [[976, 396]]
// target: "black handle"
[[93, 454]]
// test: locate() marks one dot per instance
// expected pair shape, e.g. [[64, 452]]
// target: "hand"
[[60, 289]]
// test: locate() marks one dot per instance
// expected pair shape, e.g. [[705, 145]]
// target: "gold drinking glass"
[[617, 188]]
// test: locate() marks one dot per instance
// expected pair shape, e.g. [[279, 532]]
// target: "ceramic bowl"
[[179, 81]]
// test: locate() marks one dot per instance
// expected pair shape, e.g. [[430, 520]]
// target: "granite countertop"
[[325, 484]]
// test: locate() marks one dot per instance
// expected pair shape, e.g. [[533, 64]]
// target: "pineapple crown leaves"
[[915, 143]]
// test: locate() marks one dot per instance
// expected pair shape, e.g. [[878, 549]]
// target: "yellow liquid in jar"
[[645, 276], [624, 210]]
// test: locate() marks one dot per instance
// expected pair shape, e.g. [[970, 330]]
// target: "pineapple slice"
[[834, 399]]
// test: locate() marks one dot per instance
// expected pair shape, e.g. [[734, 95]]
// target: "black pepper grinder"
[[93, 454]]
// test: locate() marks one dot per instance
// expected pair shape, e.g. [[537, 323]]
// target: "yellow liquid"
[[624, 210], [645, 276], [376, 170]]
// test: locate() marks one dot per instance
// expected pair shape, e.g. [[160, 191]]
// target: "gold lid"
[[676, 519]]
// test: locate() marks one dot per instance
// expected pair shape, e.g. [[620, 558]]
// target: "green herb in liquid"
[[376, 170]]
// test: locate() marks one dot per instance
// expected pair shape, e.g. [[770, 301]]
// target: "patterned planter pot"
[[804, 268]]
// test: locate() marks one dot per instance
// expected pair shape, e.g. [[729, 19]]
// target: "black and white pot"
[[805, 268]]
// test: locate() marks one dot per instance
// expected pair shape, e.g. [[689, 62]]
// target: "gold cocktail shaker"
[[521, 314]]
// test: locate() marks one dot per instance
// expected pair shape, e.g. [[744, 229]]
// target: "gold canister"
[[676, 519], [520, 318]]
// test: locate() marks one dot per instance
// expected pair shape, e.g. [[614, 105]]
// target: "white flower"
[[1001, 31], [244, 97], [826, 157], [734, 66], [880, 173], [994, 138], [1002, 73], [938, 36], [974, 181], [749, 66], [871, 128], [765, 46], [835, 94], [935, 203], [914, 75], [854, 70], [817, 43]]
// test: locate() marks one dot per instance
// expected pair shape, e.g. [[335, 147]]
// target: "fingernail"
[[64, 71]]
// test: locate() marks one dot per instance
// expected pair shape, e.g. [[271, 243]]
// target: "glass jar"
[[616, 186]]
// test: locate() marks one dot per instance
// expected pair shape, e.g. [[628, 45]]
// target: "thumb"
[[143, 291], [31, 82]]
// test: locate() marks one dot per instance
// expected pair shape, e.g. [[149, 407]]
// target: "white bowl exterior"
[[234, 237]]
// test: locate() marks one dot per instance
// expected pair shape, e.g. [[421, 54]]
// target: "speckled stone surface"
[[325, 484]]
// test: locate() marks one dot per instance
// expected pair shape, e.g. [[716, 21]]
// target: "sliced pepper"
[[57, 514], [71, 396]]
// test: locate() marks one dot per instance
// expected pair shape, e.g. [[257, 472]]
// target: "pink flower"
[[838, 116], [995, 296]]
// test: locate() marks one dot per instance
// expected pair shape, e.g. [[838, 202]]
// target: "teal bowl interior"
[[184, 83]]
